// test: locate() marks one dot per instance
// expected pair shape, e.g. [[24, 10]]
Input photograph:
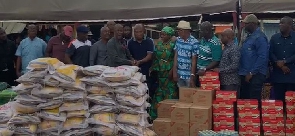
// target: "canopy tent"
[[268, 6], [78, 10]]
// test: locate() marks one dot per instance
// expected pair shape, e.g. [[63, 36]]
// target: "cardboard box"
[[201, 114], [290, 109], [212, 85], [180, 129], [273, 124], [273, 132], [272, 105], [245, 124], [272, 115], [185, 94], [249, 114], [226, 96], [247, 104], [203, 97], [209, 76], [162, 126], [290, 96], [249, 132], [180, 112], [289, 128], [223, 112], [164, 108], [223, 105], [223, 124], [195, 127]]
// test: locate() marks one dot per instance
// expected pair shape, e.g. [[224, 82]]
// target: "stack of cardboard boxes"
[[290, 110], [273, 118], [249, 117], [223, 110]]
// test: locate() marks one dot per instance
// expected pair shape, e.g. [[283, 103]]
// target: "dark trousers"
[[252, 89], [281, 88], [8, 77]]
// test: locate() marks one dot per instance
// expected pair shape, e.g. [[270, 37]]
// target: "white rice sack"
[[71, 96], [78, 132], [52, 114], [79, 113], [121, 73], [77, 85], [133, 119], [134, 110], [48, 92], [24, 119], [74, 106], [6, 112], [6, 132], [32, 76], [75, 123], [66, 73], [24, 109], [148, 132], [99, 90], [99, 81], [131, 130], [106, 130], [102, 118], [47, 126], [94, 70], [50, 81], [26, 88], [45, 63], [101, 99], [102, 109], [25, 130], [131, 101], [29, 99], [135, 91], [52, 104]]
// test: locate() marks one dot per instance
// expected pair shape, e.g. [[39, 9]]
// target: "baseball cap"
[[82, 29], [68, 30], [251, 19]]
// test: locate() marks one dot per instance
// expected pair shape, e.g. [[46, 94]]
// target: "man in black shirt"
[[7, 59]]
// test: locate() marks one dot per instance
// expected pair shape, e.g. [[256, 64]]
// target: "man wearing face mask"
[[254, 60]]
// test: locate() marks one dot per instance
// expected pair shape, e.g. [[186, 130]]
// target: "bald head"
[[32, 31], [105, 33], [227, 36], [286, 25], [104, 29], [118, 31], [111, 25], [206, 30], [139, 32]]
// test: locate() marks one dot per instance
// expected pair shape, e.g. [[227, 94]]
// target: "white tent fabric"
[[11, 27]]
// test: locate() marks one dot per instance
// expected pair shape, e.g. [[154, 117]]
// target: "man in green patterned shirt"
[[210, 49]]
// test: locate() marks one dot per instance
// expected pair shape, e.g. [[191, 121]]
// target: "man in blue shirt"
[[282, 56], [29, 49], [185, 58], [254, 60]]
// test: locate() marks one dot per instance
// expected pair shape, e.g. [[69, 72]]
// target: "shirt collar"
[[188, 39], [291, 34], [144, 38], [232, 43]]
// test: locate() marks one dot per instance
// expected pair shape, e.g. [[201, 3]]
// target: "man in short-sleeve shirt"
[[29, 49], [210, 49], [186, 51], [79, 50]]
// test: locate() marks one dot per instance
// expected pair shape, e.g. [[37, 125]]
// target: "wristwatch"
[[204, 69], [193, 74], [251, 73]]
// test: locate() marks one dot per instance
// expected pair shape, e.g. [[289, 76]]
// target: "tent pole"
[[239, 18]]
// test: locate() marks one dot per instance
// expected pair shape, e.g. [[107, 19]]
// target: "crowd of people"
[[169, 62]]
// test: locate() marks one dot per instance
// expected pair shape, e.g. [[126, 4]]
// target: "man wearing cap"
[[79, 49], [58, 45], [282, 56], [185, 58], [254, 60], [210, 49]]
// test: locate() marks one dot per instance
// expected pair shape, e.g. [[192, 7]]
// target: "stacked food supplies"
[[120, 102], [6, 113]]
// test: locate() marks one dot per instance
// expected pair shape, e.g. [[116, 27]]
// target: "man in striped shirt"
[[185, 59]]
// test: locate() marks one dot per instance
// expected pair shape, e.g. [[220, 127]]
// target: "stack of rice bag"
[[119, 98], [6, 112]]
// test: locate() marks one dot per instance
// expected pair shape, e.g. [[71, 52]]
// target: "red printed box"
[[290, 96], [249, 123], [224, 124], [272, 105], [223, 109], [249, 132], [290, 130], [226, 96], [273, 132], [211, 85], [249, 114], [272, 115], [223, 113], [273, 124], [209, 76], [290, 111], [223, 104], [247, 104]]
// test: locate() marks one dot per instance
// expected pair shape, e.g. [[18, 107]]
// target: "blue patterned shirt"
[[185, 50]]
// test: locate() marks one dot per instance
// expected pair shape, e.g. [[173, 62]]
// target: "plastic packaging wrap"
[[26, 88], [74, 106], [52, 114], [77, 85], [94, 70], [131, 101], [24, 119], [102, 119], [32, 76], [48, 92], [50, 105], [67, 73], [101, 108], [28, 99], [100, 81], [75, 123], [135, 91], [6, 132], [25, 130], [71, 96], [131, 130], [106, 130], [101, 99], [134, 110], [25, 109], [42, 64], [80, 113], [48, 126], [118, 74], [6, 112], [131, 119], [99, 90], [78, 132]]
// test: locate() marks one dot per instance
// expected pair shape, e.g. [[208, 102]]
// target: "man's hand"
[[137, 63], [201, 72], [192, 82], [18, 74], [280, 63], [285, 69], [248, 78]]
